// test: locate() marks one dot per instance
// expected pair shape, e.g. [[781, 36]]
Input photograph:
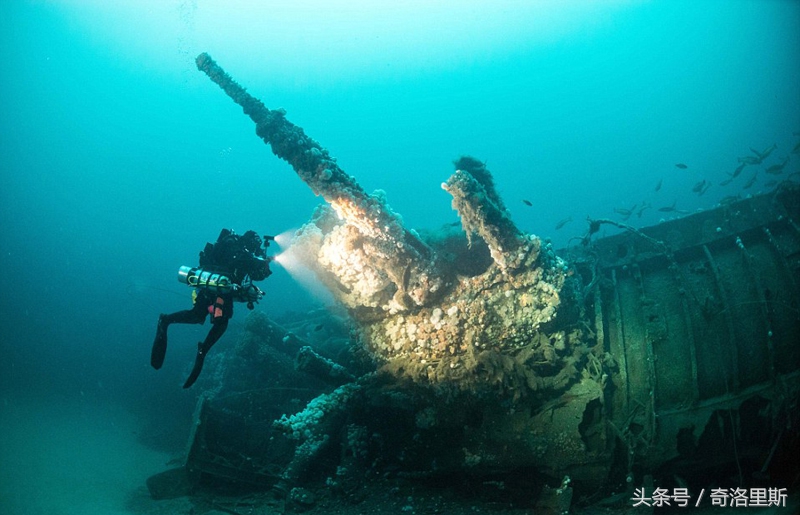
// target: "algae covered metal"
[[484, 352], [706, 335]]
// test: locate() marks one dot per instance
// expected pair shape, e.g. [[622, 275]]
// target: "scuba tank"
[[217, 283], [199, 278]]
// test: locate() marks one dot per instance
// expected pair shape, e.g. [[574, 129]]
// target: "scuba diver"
[[226, 274]]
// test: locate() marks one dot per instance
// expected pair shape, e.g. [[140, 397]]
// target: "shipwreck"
[[668, 353]]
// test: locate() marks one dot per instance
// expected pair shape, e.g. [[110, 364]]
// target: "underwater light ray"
[[284, 239], [290, 260]]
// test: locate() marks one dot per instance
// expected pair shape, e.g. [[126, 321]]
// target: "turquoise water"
[[120, 160]]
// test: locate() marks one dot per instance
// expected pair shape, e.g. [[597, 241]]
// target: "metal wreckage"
[[670, 352]]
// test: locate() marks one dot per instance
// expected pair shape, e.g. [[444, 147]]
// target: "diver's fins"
[[198, 366], [159, 344]]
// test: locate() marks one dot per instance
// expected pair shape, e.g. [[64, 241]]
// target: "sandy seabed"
[[71, 457], [84, 457]]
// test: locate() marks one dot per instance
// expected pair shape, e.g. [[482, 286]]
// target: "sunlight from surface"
[[313, 35]]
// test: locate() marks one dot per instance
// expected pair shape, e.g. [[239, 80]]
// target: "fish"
[[626, 213], [682, 166], [750, 160], [319, 327], [759, 156], [563, 222], [765, 154], [658, 186], [778, 168], [527, 202], [750, 182], [672, 209], [699, 186], [738, 170], [645, 205], [726, 181]]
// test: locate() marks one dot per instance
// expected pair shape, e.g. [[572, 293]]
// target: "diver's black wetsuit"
[[236, 257]]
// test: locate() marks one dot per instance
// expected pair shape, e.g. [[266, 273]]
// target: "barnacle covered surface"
[[420, 312], [491, 329], [483, 213], [495, 361], [405, 262], [492, 326]]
